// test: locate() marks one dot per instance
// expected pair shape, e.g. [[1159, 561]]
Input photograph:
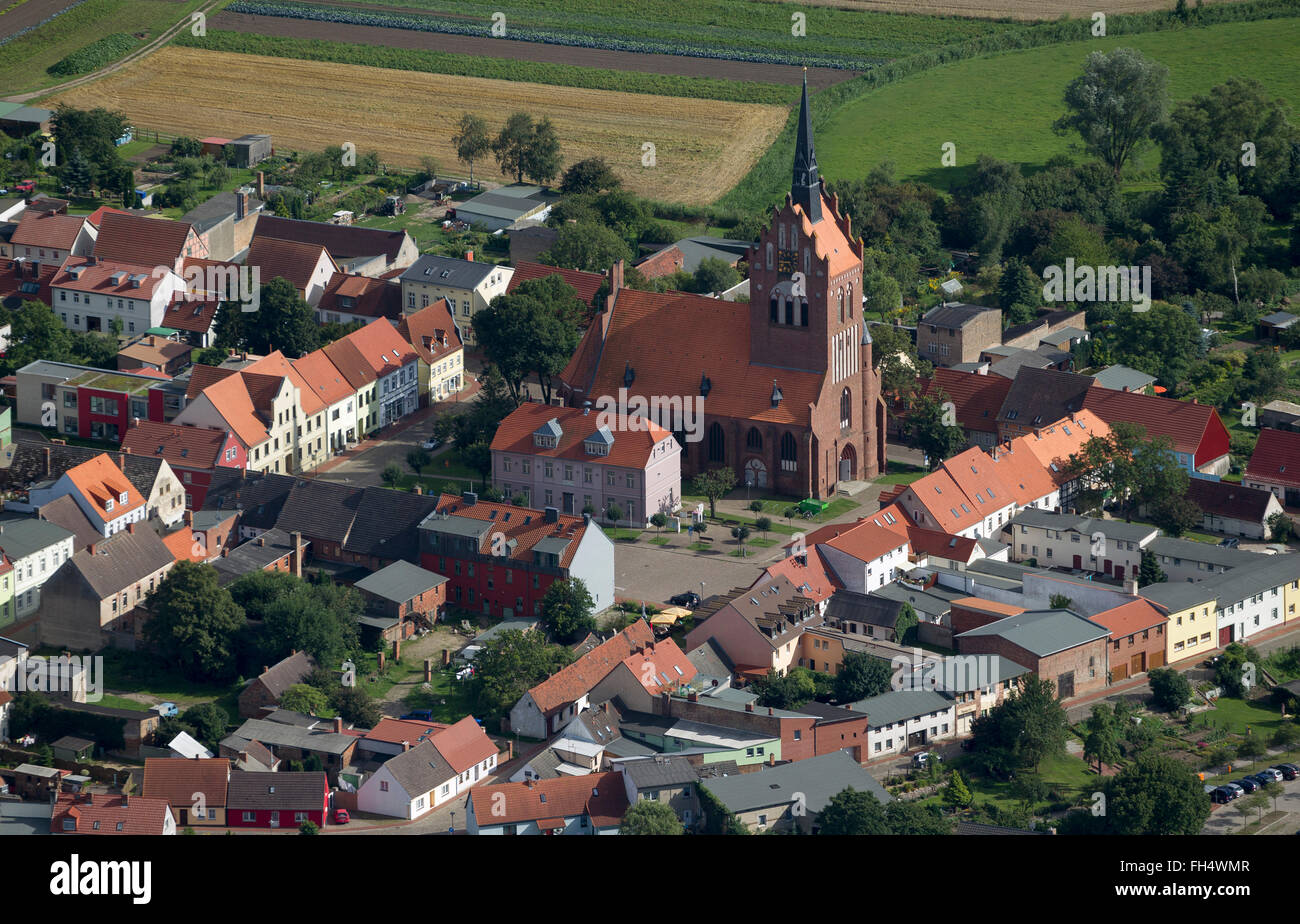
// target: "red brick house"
[[265, 690], [283, 799], [102, 813], [194, 453], [401, 598], [1057, 645], [1137, 638]]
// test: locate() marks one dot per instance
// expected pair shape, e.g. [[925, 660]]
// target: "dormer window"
[[776, 394], [122, 497], [108, 504]]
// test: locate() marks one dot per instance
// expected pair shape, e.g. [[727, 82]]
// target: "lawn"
[[965, 103], [1237, 715], [448, 697], [901, 473], [142, 673]]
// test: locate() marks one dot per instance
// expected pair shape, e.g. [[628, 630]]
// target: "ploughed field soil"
[[28, 14], [818, 77]]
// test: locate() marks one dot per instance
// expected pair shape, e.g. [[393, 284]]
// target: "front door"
[[275, 819], [1225, 636], [1119, 572], [1137, 663], [568, 502], [756, 473], [1078, 563]]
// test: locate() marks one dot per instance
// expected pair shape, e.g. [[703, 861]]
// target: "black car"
[[1230, 543], [1222, 795], [689, 600], [1288, 771], [1248, 783]]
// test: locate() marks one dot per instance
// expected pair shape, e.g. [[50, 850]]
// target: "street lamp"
[[701, 591]]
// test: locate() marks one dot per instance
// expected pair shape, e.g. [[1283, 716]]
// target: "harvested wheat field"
[[701, 147], [998, 9]]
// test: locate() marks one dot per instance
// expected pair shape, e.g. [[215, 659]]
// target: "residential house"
[[469, 286], [289, 741], [86, 402], [348, 298], [34, 549], [270, 550], [409, 785], [975, 399], [666, 779], [548, 706], [337, 396], [1233, 508], [1199, 438], [790, 798], [1275, 466], [1122, 378], [1189, 560], [1063, 540], [1055, 644], [160, 354], [436, 337], [367, 251], [758, 629], [500, 559], [395, 365], [97, 295], [1041, 397], [195, 789], [225, 222], [1137, 638], [585, 284], [193, 453], [13, 658], [954, 333], [395, 736], [107, 813], [277, 800], [96, 598], [593, 804], [900, 720], [403, 597], [23, 280], [263, 692], [261, 410], [865, 615], [568, 458], [51, 236], [307, 267], [867, 556], [102, 491], [1191, 616], [649, 672]]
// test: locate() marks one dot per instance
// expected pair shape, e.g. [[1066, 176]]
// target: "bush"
[[97, 54]]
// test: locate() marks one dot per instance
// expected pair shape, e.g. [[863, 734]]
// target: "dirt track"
[[818, 77]]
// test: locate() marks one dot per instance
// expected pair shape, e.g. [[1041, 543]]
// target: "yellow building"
[[433, 332], [1192, 622]]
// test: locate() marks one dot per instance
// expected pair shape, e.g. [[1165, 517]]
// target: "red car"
[[341, 816], [25, 186]]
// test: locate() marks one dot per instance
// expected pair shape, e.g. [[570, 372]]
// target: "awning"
[[669, 616]]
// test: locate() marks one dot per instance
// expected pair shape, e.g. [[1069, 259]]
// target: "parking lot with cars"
[[1225, 818]]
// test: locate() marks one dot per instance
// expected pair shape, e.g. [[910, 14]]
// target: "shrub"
[[97, 54]]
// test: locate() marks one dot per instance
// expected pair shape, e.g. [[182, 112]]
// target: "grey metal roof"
[[550, 428], [1123, 378], [1191, 550], [216, 210], [302, 791], [819, 779], [657, 771], [277, 734], [456, 526], [1178, 595], [448, 271], [899, 705], [508, 202], [1112, 529], [1269, 572], [1043, 632], [514, 624], [400, 581], [420, 770], [254, 554], [695, 249], [552, 545], [954, 314], [22, 536], [1279, 319]]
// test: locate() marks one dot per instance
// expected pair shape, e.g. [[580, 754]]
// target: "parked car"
[[1230, 543], [1222, 795], [420, 715], [1236, 789], [924, 758], [1288, 771], [1270, 774], [25, 186], [341, 816], [1248, 783], [1213, 661], [166, 710], [431, 443], [690, 600]]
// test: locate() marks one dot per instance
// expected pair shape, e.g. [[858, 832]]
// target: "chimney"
[[261, 185], [297, 553], [469, 255], [121, 460], [749, 707], [769, 711], [94, 548], [406, 746], [692, 697], [338, 725], [261, 542], [189, 518], [771, 760], [241, 203], [47, 461], [130, 528], [470, 498], [615, 283]]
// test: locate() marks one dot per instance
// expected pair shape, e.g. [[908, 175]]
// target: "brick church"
[[790, 399]]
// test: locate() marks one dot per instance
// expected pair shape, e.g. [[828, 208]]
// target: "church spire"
[[806, 188]]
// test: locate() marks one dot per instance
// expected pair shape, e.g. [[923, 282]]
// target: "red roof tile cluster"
[[381, 347], [431, 331], [102, 484], [571, 683], [1053, 446], [866, 541], [181, 446], [47, 230], [395, 731], [522, 525], [1130, 617], [100, 813], [548, 802], [977, 398], [464, 744], [117, 278], [126, 238], [661, 667], [323, 377], [362, 295], [584, 283], [1195, 429], [26, 281], [286, 260], [191, 314], [1276, 459], [175, 780], [810, 573]]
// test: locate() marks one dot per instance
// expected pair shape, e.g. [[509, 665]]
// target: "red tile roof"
[[99, 813], [522, 525], [15, 274], [1195, 429], [287, 260], [135, 239], [323, 377], [427, 329], [202, 376], [342, 241], [949, 508], [1276, 459], [941, 545], [816, 580], [102, 483], [181, 446], [97, 217], [47, 229], [232, 399], [464, 744], [657, 661], [978, 478], [634, 438], [584, 283], [116, 278], [175, 780], [395, 731], [600, 795], [195, 315], [382, 347], [977, 398], [371, 298], [709, 337], [866, 541], [348, 360], [1053, 446], [1128, 618], [577, 679], [1022, 473], [276, 366]]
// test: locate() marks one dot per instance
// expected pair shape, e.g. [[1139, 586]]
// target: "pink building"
[[565, 458]]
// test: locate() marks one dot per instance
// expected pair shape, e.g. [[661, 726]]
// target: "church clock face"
[[787, 261]]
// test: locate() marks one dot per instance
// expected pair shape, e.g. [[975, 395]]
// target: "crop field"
[[967, 103], [701, 147], [24, 60], [741, 30], [28, 14], [994, 9]]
